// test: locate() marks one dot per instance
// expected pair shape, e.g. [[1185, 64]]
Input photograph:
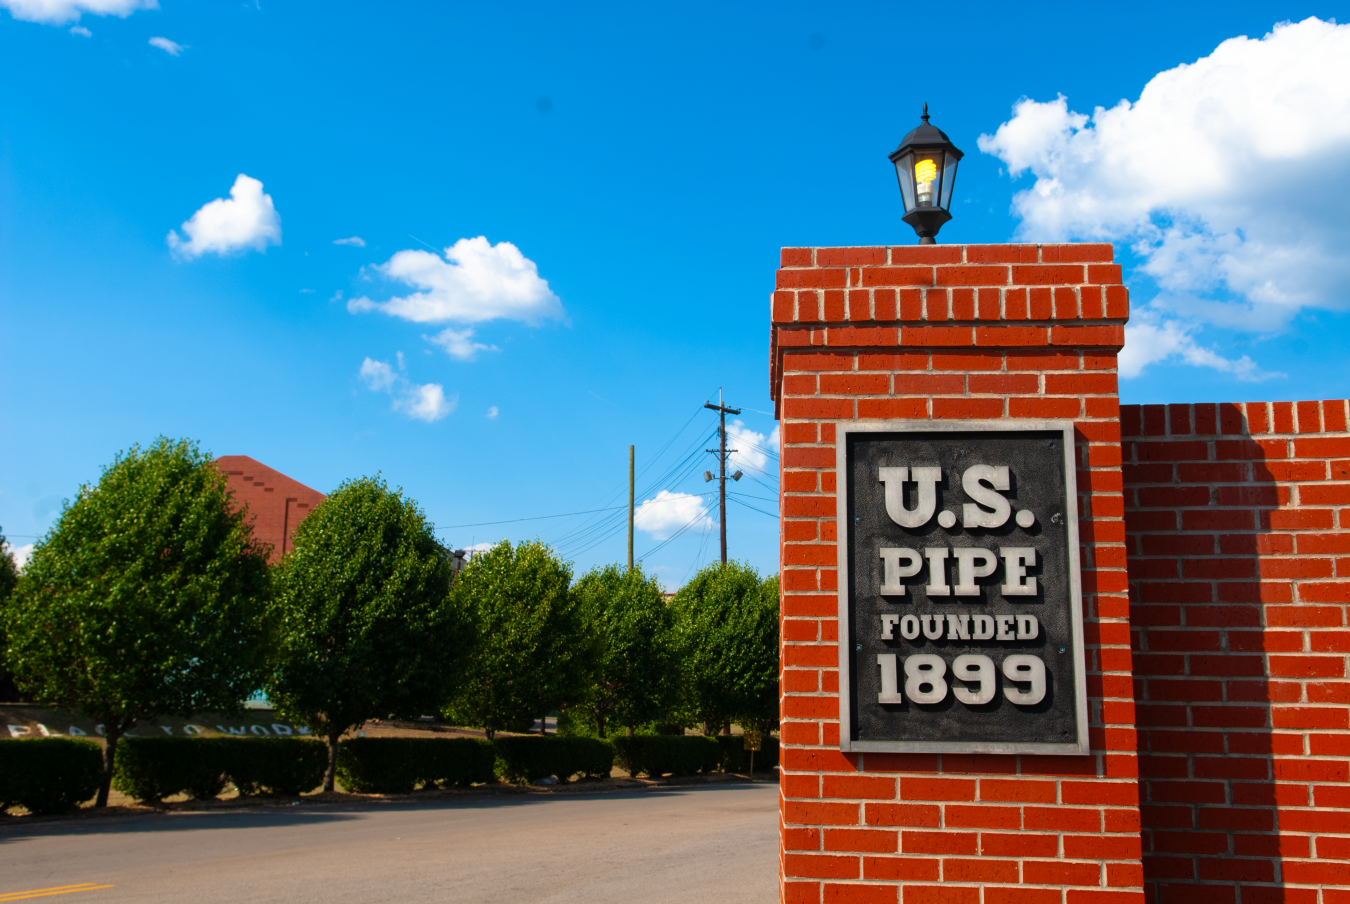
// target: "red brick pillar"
[[963, 332]]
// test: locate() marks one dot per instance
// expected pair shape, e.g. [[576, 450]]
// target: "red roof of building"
[[277, 503]]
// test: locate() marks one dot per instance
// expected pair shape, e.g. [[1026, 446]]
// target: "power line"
[[606, 520], [673, 477], [587, 530], [753, 509], [532, 518], [597, 530], [748, 496], [669, 539]]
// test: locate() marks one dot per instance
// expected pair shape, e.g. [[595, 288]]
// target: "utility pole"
[[721, 453], [630, 508]]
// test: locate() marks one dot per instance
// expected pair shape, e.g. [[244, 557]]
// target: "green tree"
[[9, 577], [727, 624], [147, 598], [9, 572], [532, 654], [365, 626], [634, 677]]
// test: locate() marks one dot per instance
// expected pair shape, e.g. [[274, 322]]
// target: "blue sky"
[[645, 164]]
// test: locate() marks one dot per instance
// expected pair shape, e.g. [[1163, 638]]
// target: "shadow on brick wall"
[[1207, 509]]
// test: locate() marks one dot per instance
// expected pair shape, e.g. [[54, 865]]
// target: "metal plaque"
[[960, 600]]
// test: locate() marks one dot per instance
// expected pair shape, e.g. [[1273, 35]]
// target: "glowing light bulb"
[[925, 173]]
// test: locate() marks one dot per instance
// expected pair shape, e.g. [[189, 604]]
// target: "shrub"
[[733, 757], [528, 759], [461, 762], [276, 766], [657, 755], [151, 769], [398, 765], [49, 775]]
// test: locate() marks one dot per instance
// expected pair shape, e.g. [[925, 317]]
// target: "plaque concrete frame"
[[846, 743]]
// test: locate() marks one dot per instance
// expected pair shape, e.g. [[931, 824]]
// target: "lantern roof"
[[926, 136]]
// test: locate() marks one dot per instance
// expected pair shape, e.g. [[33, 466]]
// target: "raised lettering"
[[975, 669], [888, 623], [892, 571], [967, 570], [937, 571], [1005, 628], [982, 627], [973, 482], [890, 683], [1027, 670], [909, 627], [932, 626], [1027, 627], [1015, 562], [926, 479], [958, 627], [925, 669]]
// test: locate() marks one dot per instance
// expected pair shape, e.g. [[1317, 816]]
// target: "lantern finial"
[[925, 111]]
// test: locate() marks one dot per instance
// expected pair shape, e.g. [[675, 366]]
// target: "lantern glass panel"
[[949, 180], [904, 170], [927, 177]]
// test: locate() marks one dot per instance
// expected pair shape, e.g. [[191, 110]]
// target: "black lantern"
[[926, 163]]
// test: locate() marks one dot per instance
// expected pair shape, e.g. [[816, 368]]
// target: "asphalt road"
[[695, 844]]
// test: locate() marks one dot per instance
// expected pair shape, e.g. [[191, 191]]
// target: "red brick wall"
[[1239, 554], [950, 331], [277, 503]]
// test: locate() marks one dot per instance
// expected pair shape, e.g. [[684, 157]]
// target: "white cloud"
[[59, 12], [474, 282], [355, 241], [492, 413], [669, 512], [21, 554], [1150, 339], [377, 375], [81, 31], [425, 401], [172, 48], [1228, 176], [751, 448], [459, 343], [248, 219]]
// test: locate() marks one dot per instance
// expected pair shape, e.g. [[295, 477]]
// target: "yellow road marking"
[[47, 892], [5, 896]]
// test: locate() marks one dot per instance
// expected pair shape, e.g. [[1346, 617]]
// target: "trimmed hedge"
[[49, 775], [282, 767], [151, 769], [733, 757], [657, 755], [528, 759], [398, 765]]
